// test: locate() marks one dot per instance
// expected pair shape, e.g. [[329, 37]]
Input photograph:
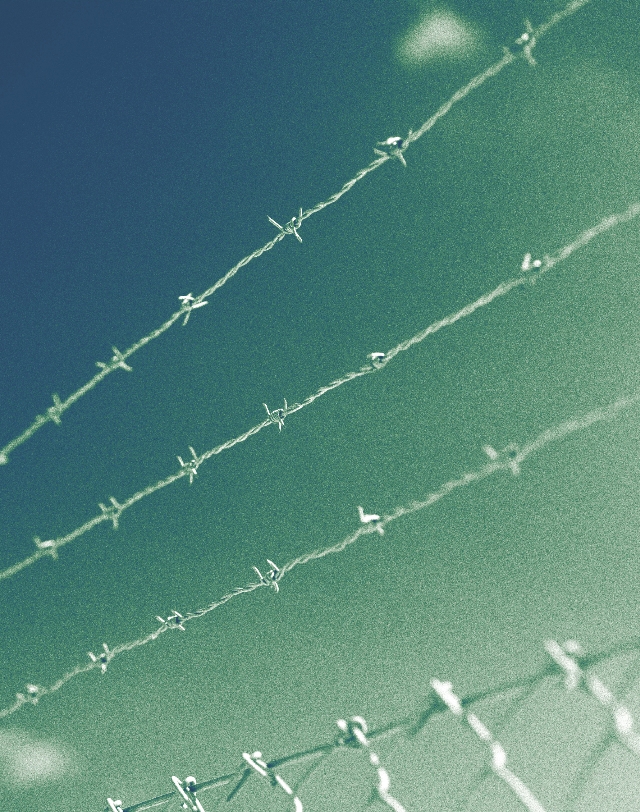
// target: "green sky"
[[145, 144]]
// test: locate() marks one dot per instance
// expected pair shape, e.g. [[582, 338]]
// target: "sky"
[[145, 145]]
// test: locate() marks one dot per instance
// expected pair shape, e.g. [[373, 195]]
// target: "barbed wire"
[[507, 459], [393, 147], [531, 271], [568, 661]]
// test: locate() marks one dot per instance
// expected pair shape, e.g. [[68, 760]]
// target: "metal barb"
[[113, 512], [173, 621], [115, 362], [371, 518], [277, 415], [190, 465], [103, 658], [289, 228], [527, 41], [49, 546], [394, 147], [189, 303], [33, 693], [377, 359], [272, 577], [55, 412], [508, 457], [528, 264]]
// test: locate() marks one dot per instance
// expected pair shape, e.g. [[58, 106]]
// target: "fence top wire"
[[567, 662], [392, 148]]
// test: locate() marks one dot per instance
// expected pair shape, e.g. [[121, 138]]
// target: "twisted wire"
[[113, 512], [502, 462], [189, 302]]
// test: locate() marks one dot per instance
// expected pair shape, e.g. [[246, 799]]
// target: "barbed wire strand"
[[531, 272], [440, 699], [54, 413], [575, 676], [508, 460]]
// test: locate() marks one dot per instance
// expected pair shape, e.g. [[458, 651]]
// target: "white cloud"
[[439, 34], [27, 761]]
